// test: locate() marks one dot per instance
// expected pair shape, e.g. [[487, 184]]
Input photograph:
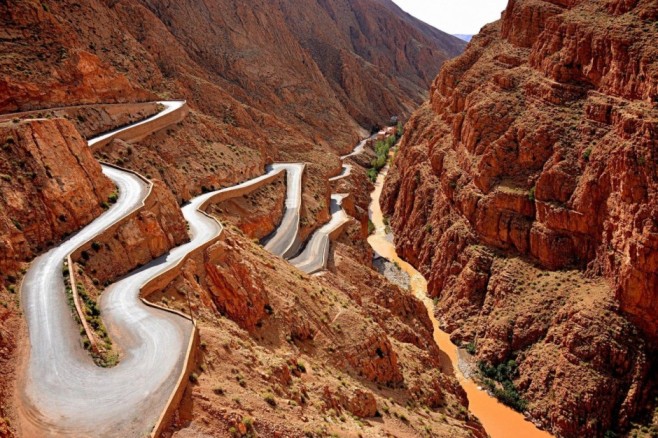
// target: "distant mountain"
[[463, 37]]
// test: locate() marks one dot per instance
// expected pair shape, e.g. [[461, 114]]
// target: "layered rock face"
[[145, 235], [526, 192], [50, 187], [288, 350], [272, 58]]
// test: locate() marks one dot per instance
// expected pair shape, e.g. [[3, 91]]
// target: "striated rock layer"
[[289, 350], [50, 186], [526, 191]]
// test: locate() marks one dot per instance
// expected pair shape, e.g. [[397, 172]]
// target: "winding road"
[[284, 241], [316, 253], [64, 392]]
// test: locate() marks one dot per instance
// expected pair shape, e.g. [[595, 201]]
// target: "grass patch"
[[371, 227], [106, 356]]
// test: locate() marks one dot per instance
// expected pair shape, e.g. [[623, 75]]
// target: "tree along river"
[[499, 420]]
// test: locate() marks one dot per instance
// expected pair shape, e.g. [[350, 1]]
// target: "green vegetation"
[[531, 194], [587, 154], [400, 130], [106, 356], [372, 174], [499, 380], [371, 227], [113, 198], [269, 399], [471, 348], [17, 224], [194, 378], [382, 149]]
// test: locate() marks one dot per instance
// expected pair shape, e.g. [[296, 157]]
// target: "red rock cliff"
[[526, 191], [50, 186]]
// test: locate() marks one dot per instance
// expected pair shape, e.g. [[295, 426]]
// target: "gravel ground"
[[391, 271]]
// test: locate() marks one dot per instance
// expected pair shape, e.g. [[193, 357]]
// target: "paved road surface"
[[284, 242], [64, 392], [316, 253], [169, 107]]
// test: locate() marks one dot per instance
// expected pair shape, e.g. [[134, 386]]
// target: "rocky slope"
[[50, 186], [525, 191], [260, 89], [255, 76], [286, 354]]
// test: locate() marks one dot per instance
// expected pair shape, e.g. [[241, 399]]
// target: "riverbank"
[[498, 420]]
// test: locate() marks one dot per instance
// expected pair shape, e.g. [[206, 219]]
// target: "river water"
[[499, 420]]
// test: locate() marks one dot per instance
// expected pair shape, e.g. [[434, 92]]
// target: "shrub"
[[96, 246], [372, 175], [400, 130], [17, 224], [218, 391], [371, 227], [194, 378], [505, 391], [587, 154], [470, 348], [113, 198], [531, 194], [301, 367], [269, 399]]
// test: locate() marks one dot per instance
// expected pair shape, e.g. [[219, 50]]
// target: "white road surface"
[[316, 253], [169, 107], [284, 242], [64, 392]]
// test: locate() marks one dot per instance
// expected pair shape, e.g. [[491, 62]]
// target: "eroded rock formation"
[[526, 191], [50, 187]]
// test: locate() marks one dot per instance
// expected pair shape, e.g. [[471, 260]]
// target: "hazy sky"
[[455, 16]]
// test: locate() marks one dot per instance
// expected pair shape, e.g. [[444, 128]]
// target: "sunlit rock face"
[[526, 191]]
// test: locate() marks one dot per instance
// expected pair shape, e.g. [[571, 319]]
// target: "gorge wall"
[[265, 81], [526, 191]]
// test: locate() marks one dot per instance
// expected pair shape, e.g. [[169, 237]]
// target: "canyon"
[[272, 342], [189, 246], [525, 191]]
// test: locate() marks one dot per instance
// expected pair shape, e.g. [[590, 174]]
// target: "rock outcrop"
[[350, 345], [145, 235], [50, 186], [529, 181]]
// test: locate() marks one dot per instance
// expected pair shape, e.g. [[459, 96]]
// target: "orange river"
[[499, 420]]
